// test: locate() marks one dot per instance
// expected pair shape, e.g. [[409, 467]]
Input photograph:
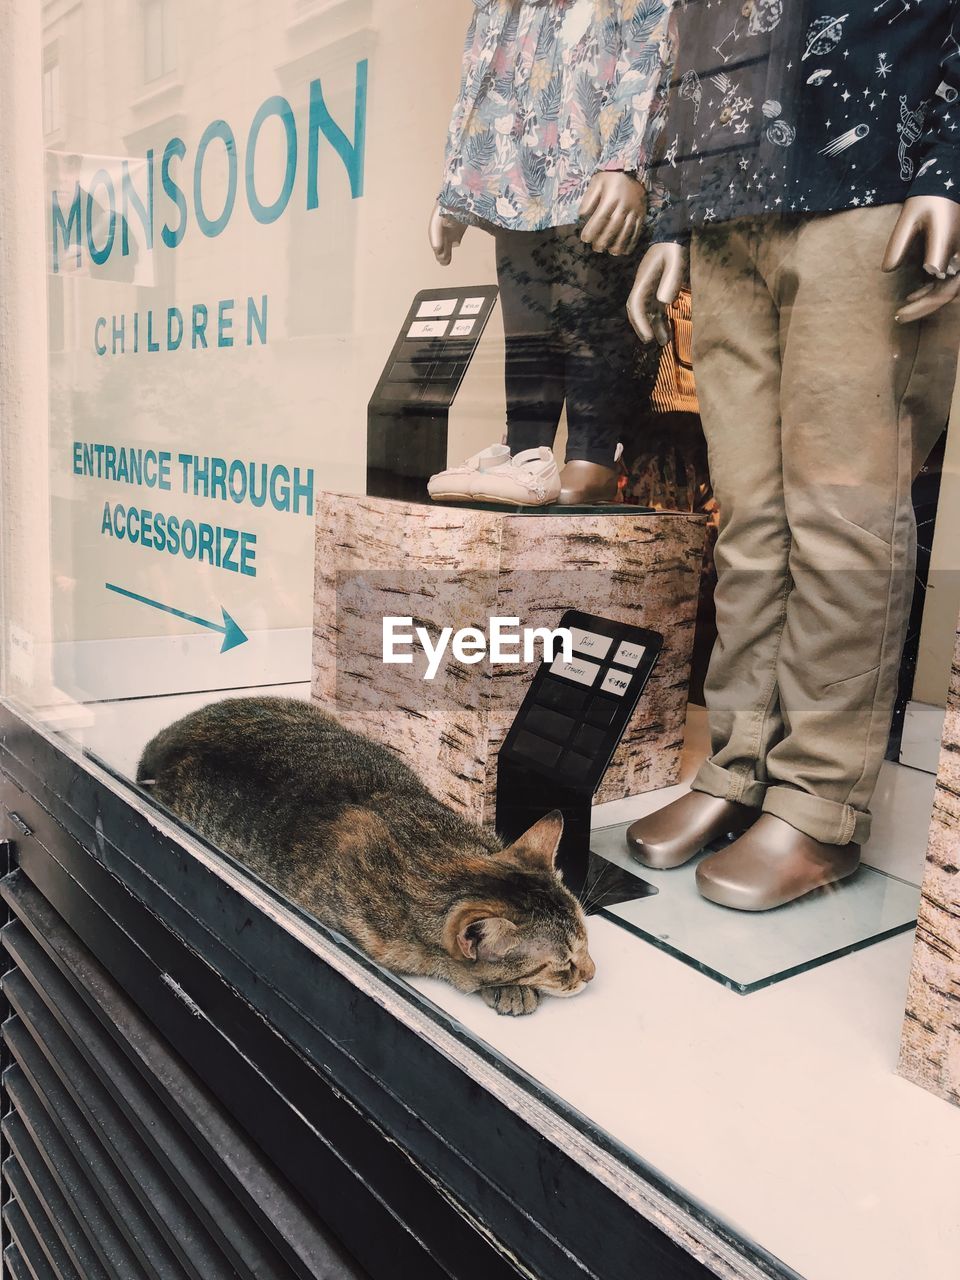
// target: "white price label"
[[437, 307], [578, 670], [463, 328], [472, 306], [629, 655], [589, 642], [617, 682], [427, 329]]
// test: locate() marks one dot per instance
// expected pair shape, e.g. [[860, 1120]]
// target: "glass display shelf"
[[746, 951]]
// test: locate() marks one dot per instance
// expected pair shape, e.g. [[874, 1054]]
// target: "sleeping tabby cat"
[[339, 825]]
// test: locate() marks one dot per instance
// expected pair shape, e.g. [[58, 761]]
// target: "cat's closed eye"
[[566, 975]]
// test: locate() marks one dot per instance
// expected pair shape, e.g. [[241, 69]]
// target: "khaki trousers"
[[818, 411]]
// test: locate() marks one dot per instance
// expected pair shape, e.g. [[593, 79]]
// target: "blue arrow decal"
[[232, 634]]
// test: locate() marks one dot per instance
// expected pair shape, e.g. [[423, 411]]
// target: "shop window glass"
[[304, 310]]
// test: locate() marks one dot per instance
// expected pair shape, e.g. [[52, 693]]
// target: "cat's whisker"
[[589, 896]]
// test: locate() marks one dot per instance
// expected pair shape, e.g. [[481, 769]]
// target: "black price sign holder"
[[409, 412], [561, 744]]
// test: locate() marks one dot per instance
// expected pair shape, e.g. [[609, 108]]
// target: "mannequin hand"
[[928, 299], [937, 220], [613, 210], [660, 277], [445, 235]]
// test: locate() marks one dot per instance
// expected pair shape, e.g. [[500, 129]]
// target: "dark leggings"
[[568, 340]]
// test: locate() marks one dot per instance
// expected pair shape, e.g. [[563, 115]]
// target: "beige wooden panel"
[[930, 1049]]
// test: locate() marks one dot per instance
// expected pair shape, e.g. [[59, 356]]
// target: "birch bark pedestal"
[[930, 1048], [457, 567]]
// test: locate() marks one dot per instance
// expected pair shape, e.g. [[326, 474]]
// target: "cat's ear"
[[538, 846], [472, 935]]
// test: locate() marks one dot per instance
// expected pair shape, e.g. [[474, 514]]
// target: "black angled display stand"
[[562, 741], [409, 411]]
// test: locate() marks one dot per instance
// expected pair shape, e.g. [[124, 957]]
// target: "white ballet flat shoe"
[[456, 484], [531, 479]]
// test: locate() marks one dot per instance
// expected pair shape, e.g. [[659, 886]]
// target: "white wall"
[[339, 281]]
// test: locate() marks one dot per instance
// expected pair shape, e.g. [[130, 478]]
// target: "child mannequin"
[[547, 150], [815, 204]]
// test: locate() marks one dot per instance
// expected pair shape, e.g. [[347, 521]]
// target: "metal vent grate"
[[103, 1179]]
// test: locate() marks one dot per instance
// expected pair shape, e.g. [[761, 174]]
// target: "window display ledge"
[[322, 1057]]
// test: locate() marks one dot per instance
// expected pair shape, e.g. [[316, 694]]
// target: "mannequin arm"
[[660, 277], [445, 234], [614, 210], [936, 221]]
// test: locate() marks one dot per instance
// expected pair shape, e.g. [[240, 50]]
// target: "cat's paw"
[[512, 1002]]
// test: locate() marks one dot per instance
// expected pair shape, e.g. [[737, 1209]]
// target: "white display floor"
[[780, 1110]]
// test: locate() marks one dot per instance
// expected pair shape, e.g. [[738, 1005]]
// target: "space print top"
[[809, 106]]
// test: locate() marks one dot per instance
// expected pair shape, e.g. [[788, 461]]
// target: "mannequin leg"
[[856, 429], [601, 349], [737, 360], [534, 376]]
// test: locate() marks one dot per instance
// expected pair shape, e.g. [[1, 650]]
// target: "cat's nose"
[[588, 970]]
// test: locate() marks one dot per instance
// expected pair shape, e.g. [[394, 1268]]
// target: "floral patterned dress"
[[552, 92]]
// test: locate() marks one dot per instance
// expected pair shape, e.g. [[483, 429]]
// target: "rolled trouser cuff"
[[823, 820], [726, 784]]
